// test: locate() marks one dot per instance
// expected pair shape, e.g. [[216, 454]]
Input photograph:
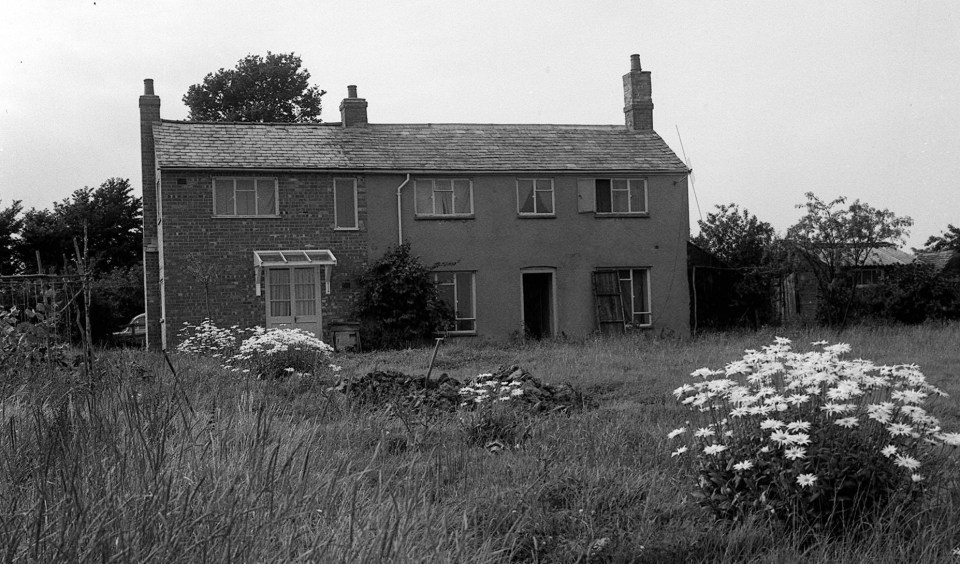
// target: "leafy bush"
[[266, 353], [810, 439], [399, 304], [912, 293]]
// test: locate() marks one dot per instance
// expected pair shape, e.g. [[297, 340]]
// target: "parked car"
[[133, 334]]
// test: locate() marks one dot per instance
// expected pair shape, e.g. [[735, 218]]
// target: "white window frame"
[[256, 186], [356, 212], [536, 188], [431, 184], [633, 208], [455, 305], [633, 306]]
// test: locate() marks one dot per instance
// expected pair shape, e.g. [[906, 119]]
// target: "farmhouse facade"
[[539, 229]]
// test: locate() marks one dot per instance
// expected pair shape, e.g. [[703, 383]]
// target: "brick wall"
[[222, 247]]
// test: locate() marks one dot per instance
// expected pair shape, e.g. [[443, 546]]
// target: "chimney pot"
[[635, 62], [148, 87], [352, 91]]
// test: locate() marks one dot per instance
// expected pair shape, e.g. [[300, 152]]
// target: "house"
[[538, 229], [799, 293]]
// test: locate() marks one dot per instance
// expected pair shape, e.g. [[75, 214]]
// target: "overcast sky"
[[772, 99]]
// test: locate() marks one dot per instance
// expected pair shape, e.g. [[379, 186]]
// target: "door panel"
[[293, 298]]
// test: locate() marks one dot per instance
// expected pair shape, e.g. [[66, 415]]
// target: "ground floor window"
[[634, 286], [458, 290]]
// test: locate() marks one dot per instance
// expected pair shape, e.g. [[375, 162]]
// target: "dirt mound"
[[444, 393]]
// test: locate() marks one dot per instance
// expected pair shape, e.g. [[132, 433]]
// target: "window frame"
[[356, 205], [456, 312], [417, 188], [535, 213], [633, 306], [256, 186], [630, 211]]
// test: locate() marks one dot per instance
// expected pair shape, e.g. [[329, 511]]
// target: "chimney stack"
[[637, 100], [150, 115], [353, 110]]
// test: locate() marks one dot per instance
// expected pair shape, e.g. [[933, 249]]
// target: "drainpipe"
[[399, 218]]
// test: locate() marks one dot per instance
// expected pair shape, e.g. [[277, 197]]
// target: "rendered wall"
[[498, 244]]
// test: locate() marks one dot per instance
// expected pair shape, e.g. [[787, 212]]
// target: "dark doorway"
[[538, 304]]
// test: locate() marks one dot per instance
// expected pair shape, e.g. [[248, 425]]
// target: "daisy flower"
[[714, 449], [745, 465], [704, 432], [676, 432], [889, 451], [793, 453], [805, 480], [907, 462], [679, 451], [847, 422], [798, 426], [898, 429], [771, 424]]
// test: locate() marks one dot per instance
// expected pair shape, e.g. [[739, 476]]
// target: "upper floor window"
[[613, 195], [444, 196], [248, 197], [345, 203], [535, 196]]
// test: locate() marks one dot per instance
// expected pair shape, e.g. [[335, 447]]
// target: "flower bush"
[[272, 353], [266, 353], [809, 438], [208, 339]]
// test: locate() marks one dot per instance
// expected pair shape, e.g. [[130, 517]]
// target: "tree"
[[113, 220], [10, 225], [749, 247], [949, 240], [271, 89], [836, 241], [736, 236]]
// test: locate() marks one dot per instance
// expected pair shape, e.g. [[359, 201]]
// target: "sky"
[[766, 101]]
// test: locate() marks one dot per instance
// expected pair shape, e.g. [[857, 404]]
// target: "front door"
[[538, 304], [293, 298]]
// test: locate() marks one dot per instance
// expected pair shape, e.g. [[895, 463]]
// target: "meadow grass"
[[138, 464]]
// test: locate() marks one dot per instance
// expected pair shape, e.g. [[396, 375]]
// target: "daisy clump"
[[811, 439], [274, 353]]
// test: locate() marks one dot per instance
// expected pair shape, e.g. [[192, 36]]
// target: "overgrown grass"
[[139, 465]]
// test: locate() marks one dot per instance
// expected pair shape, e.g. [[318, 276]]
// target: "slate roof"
[[888, 256], [411, 148]]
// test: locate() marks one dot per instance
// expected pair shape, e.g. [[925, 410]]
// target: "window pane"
[[224, 196], [266, 197], [345, 195], [525, 196], [461, 190], [443, 202], [279, 292], [466, 325], [544, 202], [626, 295], [619, 202], [304, 289], [465, 294], [445, 292], [638, 201], [603, 195], [640, 291], [246, 196], [424, 189], [443, 277]]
